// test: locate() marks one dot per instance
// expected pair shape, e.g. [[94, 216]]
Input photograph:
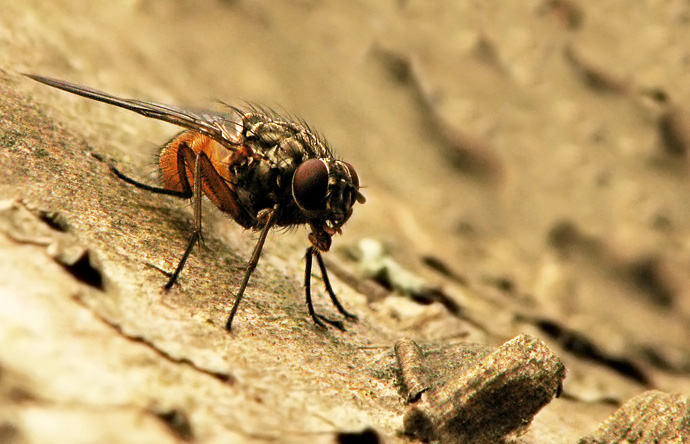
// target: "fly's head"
[[325, 189]]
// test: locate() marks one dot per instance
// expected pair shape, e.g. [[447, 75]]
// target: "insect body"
[[263, 170]]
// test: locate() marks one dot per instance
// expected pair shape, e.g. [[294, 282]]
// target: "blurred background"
[[529, 159]]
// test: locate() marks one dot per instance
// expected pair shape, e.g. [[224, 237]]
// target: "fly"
[[262, 169]]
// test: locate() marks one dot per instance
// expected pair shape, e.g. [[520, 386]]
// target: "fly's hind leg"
[[206, 180], [185, 156], [143, 186], [185, 192], [202, 174]]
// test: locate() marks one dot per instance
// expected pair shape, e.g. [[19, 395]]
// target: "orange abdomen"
[[171, 164], [177, 162]]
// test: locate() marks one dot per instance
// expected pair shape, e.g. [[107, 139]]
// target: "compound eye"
[[310, 183], [355, 181], [353, 174]]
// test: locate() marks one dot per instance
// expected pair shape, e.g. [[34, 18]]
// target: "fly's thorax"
[[269, 132], [265, 133]]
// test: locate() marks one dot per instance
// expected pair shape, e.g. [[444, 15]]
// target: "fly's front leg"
[[307, 288], [329, 289], [318, 319], [269, 216]]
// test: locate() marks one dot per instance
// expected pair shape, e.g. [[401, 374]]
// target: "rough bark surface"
[[525, 166]]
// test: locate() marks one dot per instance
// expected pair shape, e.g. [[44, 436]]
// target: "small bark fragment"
[[652, 416], [410, 359], [498, 395]]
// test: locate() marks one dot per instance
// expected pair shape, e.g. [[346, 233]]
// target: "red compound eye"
[[310, 183], [353, 174]]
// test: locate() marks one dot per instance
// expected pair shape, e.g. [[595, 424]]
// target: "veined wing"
[[215, 125]]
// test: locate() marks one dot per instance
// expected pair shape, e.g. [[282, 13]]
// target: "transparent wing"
[[215, 125]]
